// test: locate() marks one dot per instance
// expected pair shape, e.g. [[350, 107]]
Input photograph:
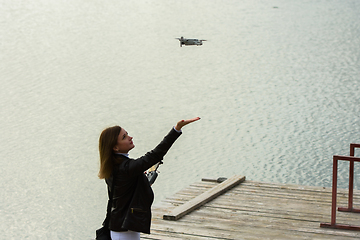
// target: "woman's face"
[[124, 142]]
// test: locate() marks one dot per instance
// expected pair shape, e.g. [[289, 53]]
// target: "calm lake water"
[[276, 85]]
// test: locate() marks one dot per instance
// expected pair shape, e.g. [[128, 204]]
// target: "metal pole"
[[334, 189], [351, 179]]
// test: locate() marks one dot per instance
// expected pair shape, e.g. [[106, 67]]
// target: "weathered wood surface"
[[203, 198], [255, 210]]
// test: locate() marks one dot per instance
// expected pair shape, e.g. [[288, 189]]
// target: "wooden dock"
[[254, 210]]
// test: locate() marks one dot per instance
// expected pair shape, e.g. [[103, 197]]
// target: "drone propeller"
[[181, 41]]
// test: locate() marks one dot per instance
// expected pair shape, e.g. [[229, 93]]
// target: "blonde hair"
[[107, 141]]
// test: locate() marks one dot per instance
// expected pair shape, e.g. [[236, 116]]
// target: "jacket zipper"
[[137, 210]]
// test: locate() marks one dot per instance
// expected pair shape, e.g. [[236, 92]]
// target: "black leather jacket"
[[133, 196]]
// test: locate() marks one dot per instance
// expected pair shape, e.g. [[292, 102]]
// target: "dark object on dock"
[[218, 180]]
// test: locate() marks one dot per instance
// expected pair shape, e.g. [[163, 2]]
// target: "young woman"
[[133, 196]]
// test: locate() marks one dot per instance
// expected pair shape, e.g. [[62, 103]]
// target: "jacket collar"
[[124, 154]]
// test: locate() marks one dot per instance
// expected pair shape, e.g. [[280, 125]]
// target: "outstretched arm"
[[182, 123]]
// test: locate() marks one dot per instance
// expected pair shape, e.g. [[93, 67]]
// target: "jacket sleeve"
[[138, 166]]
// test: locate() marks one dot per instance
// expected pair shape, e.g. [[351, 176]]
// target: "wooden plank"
[[203, 198], [294, 187]]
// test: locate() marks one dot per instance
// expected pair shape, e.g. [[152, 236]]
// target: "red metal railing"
[[350, 208]]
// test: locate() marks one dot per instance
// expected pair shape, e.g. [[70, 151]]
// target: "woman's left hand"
[[182, 123]]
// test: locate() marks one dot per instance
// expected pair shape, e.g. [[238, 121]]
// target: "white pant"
[[129, 235]]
